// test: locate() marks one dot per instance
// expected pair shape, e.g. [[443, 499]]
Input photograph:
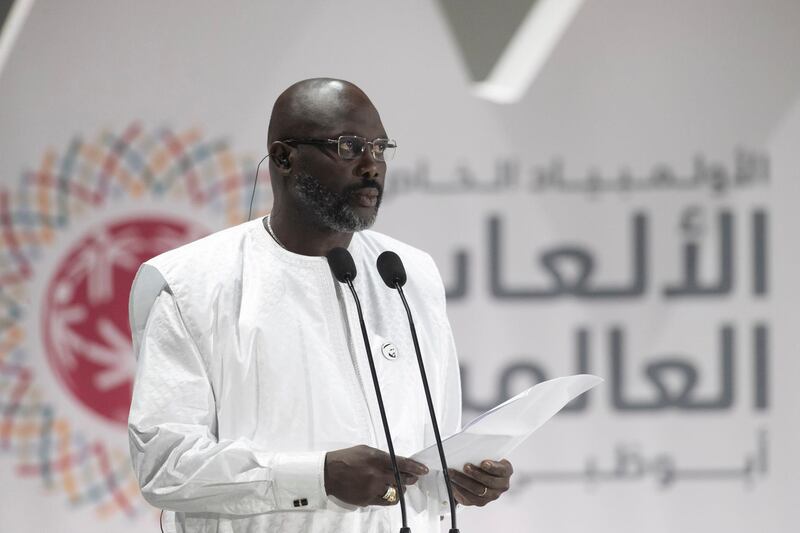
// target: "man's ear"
[[281, 155]]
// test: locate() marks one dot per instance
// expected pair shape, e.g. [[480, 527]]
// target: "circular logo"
[[85, 326], [389, 351], [74, 234]]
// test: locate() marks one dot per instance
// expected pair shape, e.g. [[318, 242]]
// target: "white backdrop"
[[632, 216]]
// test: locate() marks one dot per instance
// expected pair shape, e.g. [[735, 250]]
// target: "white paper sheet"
[[495, 433]]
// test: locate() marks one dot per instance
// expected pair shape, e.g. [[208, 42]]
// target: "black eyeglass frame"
[[391, 143]]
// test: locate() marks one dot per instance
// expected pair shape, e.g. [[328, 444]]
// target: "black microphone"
[[391, 269], [344, 270], [342, 265]]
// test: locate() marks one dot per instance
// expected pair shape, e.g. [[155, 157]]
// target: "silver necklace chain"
[[272, 232]]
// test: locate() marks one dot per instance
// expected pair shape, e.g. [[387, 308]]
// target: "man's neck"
[[293, 231]]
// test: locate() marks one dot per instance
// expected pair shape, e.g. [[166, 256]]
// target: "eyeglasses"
[[352, 146]]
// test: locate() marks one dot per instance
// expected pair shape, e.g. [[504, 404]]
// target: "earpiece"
[[281, 161]]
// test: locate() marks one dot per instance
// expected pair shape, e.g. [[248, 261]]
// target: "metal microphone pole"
[[392, 456], [453, 528]]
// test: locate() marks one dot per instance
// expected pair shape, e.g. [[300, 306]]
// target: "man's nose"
[[368, 166]]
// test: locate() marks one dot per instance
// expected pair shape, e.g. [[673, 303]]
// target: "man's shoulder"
[[211, 248], [194, 274]]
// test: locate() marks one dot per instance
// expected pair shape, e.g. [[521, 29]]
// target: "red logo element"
[[85, 315]]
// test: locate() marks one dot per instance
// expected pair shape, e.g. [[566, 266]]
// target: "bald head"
[[315, 188], [316, 107]]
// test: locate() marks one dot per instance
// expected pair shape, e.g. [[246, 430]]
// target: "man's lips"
[[366, 196]]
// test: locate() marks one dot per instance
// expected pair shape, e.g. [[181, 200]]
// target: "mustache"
[[366, 182]]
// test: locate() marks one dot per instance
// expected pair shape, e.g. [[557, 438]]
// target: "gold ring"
[[485, 490], [391, 494]]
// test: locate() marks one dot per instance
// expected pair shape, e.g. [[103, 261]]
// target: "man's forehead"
[[345, 114], [356, 121], [325, 108]]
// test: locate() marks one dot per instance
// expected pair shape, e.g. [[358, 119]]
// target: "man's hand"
[[360, 475], [481, 485]]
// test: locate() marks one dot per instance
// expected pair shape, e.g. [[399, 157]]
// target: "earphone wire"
[[255, 181]]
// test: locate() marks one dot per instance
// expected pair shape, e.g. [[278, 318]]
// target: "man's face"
[[341, 195]]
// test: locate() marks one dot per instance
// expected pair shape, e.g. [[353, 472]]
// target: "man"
[[252, 407]]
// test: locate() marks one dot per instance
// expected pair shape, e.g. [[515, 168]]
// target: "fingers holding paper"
[[362, 475], [479, 485]]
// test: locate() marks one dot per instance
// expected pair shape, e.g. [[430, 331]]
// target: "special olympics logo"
[[75, 231], [85, 315]]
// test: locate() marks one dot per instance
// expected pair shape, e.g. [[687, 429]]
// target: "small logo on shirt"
[[389, 351]]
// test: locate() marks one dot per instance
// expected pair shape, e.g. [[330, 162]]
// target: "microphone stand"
[[453, 528], [392, 456]]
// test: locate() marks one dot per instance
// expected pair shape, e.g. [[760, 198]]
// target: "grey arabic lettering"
[[570, 268], [750, 169], [691, 285], [673, 378], [555, 261], [630, 464]]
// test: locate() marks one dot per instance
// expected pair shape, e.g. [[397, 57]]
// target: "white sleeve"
[[180, 463]]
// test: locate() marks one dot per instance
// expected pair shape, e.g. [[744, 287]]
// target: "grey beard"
[[328, 209]]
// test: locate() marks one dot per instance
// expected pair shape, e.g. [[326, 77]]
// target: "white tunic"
[[251, 366]]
